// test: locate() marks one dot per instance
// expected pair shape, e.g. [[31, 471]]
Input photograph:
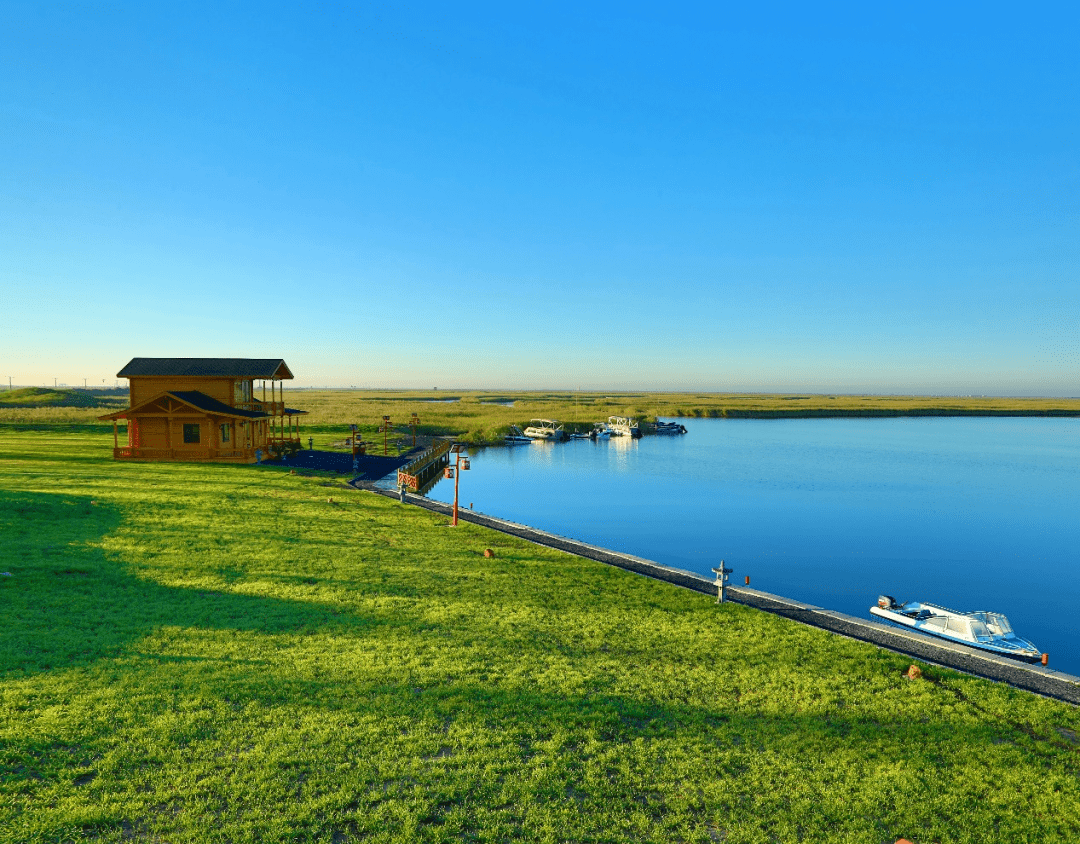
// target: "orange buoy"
[[1045, 658]]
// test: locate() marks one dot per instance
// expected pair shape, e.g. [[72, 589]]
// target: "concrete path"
[[1034, 678]]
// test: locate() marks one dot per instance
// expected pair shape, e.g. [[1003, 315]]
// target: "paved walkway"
[[1035, 678]]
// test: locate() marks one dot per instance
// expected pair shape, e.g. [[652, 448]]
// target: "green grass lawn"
[[196, 653]]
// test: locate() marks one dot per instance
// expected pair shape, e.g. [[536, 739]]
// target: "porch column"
[[115, 436]]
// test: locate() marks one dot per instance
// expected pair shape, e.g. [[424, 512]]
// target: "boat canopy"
[[996, 622]]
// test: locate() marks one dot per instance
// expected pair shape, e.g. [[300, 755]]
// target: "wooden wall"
[[146, 387]]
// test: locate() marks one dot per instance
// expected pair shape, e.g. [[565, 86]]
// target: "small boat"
[[988, 631], [600, 431], [581, 435], [670, 428], [623, 426], [545, 429], [515, 436]]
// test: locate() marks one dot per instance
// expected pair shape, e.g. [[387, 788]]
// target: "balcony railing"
[[274, 408], [140, 453]]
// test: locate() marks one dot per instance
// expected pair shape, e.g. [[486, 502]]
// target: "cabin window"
[[241, 392], [224, 433], [191, 432]]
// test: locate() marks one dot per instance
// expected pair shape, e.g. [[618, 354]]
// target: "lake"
[[971, 513]]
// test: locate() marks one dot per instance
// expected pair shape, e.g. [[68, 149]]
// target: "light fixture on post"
[[460, 464]]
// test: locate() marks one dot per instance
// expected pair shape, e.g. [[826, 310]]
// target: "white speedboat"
[[988, 631], [545, 429], [515, 436], [600, 431]]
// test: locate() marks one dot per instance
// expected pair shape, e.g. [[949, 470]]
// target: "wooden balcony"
[[274, 408]]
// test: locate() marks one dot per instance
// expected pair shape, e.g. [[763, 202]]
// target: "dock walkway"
[[1034, 678]]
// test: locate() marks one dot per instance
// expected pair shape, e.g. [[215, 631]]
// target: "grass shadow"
[[66, 603]]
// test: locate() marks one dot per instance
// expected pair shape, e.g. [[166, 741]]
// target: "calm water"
[[969, 513]]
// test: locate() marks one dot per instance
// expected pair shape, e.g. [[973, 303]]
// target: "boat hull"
[[1024, 651]]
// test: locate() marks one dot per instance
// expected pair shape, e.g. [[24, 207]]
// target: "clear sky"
[[801, 196]]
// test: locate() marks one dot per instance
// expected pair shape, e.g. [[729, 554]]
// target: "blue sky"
[[615, 196]]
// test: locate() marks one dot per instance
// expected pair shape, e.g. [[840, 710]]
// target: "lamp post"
[[385, 428], [412, 424], [460, 464]]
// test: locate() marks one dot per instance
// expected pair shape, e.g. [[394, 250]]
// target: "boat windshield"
[[998, 624], [979, 630]]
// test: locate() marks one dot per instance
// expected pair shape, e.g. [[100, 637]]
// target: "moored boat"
[[515, 436], [623, 426], [545, 429], [670, 428], [988, 631]]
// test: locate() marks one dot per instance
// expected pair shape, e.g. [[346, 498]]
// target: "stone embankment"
[[1034, 678]]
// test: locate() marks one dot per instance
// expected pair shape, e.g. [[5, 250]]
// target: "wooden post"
[[115, 436], [457, 477]]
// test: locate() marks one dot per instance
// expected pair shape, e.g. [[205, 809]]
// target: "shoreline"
[[1033, 678]]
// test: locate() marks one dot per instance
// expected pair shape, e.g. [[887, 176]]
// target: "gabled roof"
[[195, 399], [207, 367], [201, 401]]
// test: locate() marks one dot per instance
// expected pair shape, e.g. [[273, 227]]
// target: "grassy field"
[[484, 416], [62, 397], [198, 653]]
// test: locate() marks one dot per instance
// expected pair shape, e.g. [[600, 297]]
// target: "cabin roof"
[[207, 368], [201, 401], [192, 398]]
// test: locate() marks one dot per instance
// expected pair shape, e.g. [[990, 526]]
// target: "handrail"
[[425, 457], [409, 475]]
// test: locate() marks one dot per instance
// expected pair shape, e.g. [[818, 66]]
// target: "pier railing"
[[422, 469]]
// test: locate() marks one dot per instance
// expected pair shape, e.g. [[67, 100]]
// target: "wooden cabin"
[[205, 409]]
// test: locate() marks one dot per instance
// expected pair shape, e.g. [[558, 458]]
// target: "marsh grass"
[[197, 653], [482, 417], [478, 417]]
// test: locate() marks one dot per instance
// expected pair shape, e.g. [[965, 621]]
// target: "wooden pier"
[[423, 472]]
